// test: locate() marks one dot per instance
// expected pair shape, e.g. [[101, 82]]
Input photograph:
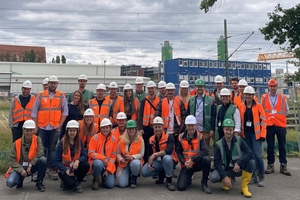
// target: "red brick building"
[[17, 53]]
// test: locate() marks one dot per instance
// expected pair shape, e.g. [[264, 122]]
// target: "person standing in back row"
[[276, 109], [82, 81], [20, 110], [139, 93]]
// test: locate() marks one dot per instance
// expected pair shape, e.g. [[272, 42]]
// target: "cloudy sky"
[[132, 31]]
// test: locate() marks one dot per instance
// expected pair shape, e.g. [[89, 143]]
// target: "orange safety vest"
[[186, 103], [50, 109], [149, 112], [238, 100], [82, 135], [20, 114], [192, 150], [101, 148], [115, 105], [165, 111], [134, 148], [31, 154], [134, 116], [278, 117], [259, 120], [104, 110], [163, 143], [116, 132], [66, 158]]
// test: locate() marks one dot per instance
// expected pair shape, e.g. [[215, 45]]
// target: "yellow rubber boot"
[[224, 187], [246, 178]]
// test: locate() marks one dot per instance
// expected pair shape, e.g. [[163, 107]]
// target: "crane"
[[275, 56]]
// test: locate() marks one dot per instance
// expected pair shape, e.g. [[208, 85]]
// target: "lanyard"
[[197, 106], [171, 108], [273, 102], [248, 110]]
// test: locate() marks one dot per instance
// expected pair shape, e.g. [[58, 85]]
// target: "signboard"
[[3, 94]]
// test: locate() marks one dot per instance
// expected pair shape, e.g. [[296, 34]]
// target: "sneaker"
[[171, 187], [34, 176], [253, 179], [205, 188], [261, 180], [133, 184], [174, 175], [53, 174], [78, 188], [159, 181], [19, 186], [40, 186], [270, 169], [84, 179], [283, 170], [62, 185]]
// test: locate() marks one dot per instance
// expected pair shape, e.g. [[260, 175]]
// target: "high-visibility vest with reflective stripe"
[[66, 157], [134, 148], [50, 110], [259, 120], [134, 115], [104, 110], [228, 115], [103, 148], [115, 105], [190, 150], [20, 114], [31, 154], [83, 135], [278, 118], [163, 143], [149, 112], [238, 100], [236, 151], [165, 111], [116, 132], [208, 102]]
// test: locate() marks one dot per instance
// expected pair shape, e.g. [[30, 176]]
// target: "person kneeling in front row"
[[193, 156], [233, 158], [26, 158]]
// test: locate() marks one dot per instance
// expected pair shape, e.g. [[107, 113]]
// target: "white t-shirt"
[[170, 129]]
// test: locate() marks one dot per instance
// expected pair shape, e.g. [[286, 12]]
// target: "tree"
[[53, 61], [15, 58], [206, 4], [57, 59], [39, 59], [32, 56], [63, 59], [1, 57], [284, 28], [7, 56]]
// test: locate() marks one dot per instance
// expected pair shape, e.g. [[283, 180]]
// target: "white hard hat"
[[184, 84], [101, 86], [162, 84], [105, 122], [139, 80], [30, 124], [45, 81], [72, 124], [191, 119], [243, 82], [113, 85], [219, 79], [53, 78], [121, 115], [158, 120], [89, 112], [128, 87], [27, 84], [82, 77], [225, 92], [170, 86], [249, 90], [151, 84]]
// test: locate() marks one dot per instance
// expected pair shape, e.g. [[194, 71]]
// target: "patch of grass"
[[5, 137], [291, 135]]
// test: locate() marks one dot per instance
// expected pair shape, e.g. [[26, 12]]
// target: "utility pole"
[[226, 52], [104, 70]]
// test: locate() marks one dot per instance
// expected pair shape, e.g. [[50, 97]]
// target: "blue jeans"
[[165, 164], [256, 148], [49, 141], [16, 178], [215, 176], [281, 138], [134, 168], [98, 169]]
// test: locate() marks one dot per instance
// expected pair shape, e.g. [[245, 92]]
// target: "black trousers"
[[70, 181], [148, 132], [17, 133], [185, 174]]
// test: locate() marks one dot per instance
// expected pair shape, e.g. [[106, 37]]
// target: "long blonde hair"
[[187, 98], [88, 131], [125, 137], [81, 102]]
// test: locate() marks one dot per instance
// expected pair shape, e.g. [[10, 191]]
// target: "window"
[[180, 63], [251, 66], [215, 65], [260, 66], [205, 64], [191, 63], [265, 80], [232, 65], [185, 63], [248, 66], [196, 63], [210, 64], [191, 78], [264, 67], [242, 66], [256, 66]]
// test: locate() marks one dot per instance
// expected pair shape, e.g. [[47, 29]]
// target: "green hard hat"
[[199, 82], [228, 123], [131, 124]]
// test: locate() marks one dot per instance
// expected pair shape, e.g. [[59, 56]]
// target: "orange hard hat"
[[272, 82]]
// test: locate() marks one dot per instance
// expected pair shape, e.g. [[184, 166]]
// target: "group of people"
[[118, 139]]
